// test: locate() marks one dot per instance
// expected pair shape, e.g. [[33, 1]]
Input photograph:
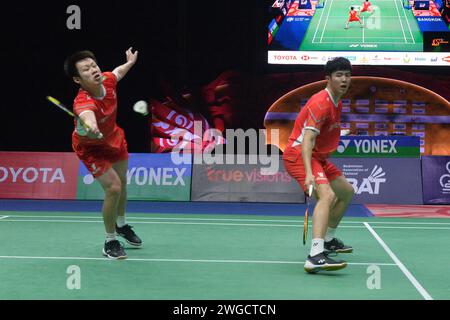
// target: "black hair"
[[70, 63], [337, 64], [351, 8]]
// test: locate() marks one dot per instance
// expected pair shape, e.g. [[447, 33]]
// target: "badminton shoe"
[[321, 262], [129, 235], [336, 245], [114, 250]]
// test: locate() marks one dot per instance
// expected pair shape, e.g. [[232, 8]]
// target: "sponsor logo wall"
[[436, 180], [383, 180], [62, 176], [153, 177], [149, 177], [243, 183], [382, 146], [32, 175]]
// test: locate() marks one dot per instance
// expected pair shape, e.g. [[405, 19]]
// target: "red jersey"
[[353, 15], [366, 5], [321, 115], [105, 110]]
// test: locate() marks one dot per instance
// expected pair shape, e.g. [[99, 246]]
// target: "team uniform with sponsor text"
[[98, 155], [321, 115]]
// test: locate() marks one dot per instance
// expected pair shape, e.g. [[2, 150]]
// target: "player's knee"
[[348, 192], [328, 197], [115, 189]]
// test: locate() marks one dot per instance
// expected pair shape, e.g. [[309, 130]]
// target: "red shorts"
[[99, 158], [323, 170], [354, 19]]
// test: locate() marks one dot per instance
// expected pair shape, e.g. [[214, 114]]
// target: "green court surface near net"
[[390, 27], [212, 257]]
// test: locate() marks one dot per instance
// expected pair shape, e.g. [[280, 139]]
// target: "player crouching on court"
[[353, 16], [315, 136], [103, 148]]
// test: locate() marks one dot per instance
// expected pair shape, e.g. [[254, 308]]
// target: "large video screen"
[[374, 32]]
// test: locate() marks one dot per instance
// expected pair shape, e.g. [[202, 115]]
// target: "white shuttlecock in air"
[[141, 107]]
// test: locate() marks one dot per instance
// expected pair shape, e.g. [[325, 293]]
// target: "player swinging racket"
[[367, 7], [106, 158], [314, 137], [353, 16]]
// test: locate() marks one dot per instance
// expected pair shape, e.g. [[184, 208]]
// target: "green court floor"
[[218, 257], [391, 27]]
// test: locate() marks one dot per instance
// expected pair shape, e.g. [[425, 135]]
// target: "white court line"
[[234, 219], [3, 217], [263, 225], [376, 42], [399, 19], [410, 32], [186, 260], [230, 219], [402, 267], [326, 21], [317, 28], [349, 37], [364, 27]]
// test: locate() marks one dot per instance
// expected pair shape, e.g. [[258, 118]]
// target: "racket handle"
[[310, 190]]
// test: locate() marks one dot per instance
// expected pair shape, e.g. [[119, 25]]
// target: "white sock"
[[110, 237], [316, 247], [330, 234], [121, 221]]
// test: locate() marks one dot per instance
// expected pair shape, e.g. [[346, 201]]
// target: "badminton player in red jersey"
[[315, 136], [353, 17], [367, 7], [103, 148]]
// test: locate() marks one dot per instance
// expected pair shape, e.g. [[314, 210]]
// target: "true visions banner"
[[149, 177], [383, 180], [244, 183], [35, 175], [436, 180]]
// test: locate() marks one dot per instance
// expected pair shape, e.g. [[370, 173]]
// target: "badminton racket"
[[63, 108], [306, 218]]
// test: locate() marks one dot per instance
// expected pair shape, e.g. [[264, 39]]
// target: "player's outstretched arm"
[[90, 123], [122, 70]]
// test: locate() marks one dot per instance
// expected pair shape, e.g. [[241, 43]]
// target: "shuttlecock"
[[141, 107]]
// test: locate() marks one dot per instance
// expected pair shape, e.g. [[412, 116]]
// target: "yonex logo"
[[343, 145], [150, 176]]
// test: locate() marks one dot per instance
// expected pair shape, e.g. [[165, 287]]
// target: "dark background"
[[187, 43]]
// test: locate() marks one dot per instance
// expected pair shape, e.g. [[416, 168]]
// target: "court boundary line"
[[407, 22], [317, 27], [186, 260], [300, 220], [3, 217], [326, 21], [400, 19], [364, 27], [378, 42], [222, 224], [397, 261]]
